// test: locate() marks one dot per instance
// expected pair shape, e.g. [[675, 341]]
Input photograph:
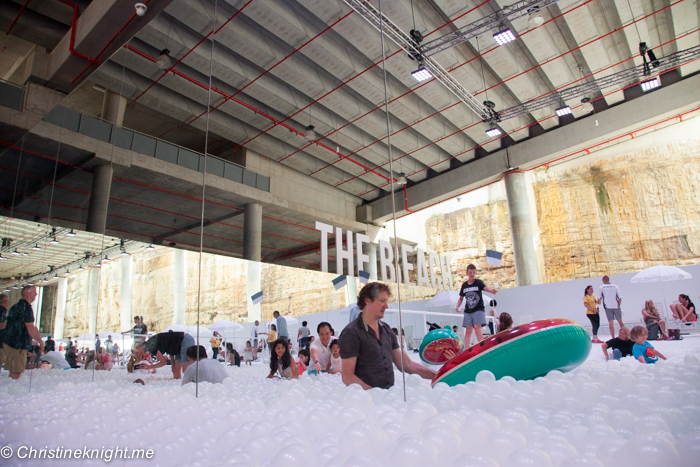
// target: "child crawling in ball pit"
[[643, 350]]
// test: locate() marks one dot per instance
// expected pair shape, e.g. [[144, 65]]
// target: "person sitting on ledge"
[[174, 344], [651, 315], [621, 345], [201, 368], [368, 347]]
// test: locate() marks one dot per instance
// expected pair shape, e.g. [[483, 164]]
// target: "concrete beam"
[[615, 121]]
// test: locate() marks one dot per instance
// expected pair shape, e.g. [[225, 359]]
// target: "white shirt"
[[609, 293], [55, 359], [210, 370], [324, 352], [254, 332]]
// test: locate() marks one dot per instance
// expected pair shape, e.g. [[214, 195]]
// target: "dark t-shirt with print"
[[165, 342], [16, 333], [625, 347], [471, 293]]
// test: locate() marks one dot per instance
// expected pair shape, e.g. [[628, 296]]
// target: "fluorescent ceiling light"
[[503, 37], [421, 74], [650, 84], [561, 111], [491, 132]]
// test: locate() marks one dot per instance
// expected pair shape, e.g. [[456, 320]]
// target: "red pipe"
[[71, 45], [21, 10], [405, 199]]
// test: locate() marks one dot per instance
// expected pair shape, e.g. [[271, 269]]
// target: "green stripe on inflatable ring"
[[525, 352]]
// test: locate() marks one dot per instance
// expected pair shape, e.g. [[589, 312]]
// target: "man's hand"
[[318, 367]]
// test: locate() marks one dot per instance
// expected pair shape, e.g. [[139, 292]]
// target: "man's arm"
[[619, 299], [34, 332], [314, 360], [459, 302], [153, 366], [490, 290], [410, 366], [348, 373], [605, 350]]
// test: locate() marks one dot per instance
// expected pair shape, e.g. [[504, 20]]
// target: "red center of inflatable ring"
[[434, 352], [500, 338]]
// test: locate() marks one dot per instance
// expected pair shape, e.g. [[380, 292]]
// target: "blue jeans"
[[617, 354], [187, 342]]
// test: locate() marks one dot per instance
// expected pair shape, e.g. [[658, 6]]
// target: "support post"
[[253, 286], [36, 306], [99, 198], [125, 297], [527, 268], [252, 232], [93, 299], [113, 107], [61, 297], [180, 284]]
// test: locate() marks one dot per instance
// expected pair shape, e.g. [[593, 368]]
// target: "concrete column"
[[180, 294], [370, 249], [351, 291], [36, 306], [113, 107], [526, 260], [99, 198], [125, 298], [93, 299], [254, 285], [61, 297], [252, 231]]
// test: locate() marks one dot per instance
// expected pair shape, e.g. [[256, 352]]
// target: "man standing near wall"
[[281, 325], [474, 315], [19, 332], [612, 300]]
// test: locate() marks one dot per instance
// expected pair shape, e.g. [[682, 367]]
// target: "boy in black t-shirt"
[[474, 316], [621, 345]]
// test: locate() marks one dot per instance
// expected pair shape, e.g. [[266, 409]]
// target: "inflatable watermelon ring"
[[524, 352], [435, 343]]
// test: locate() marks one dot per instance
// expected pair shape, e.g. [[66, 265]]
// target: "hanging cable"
[[393, 199]]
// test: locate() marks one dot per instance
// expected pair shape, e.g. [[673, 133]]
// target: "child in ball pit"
[[643, 350], [335, 363]]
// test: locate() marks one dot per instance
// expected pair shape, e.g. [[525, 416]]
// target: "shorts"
[[255, 344], [187, 342], [304, 342], [613, 313], [477, 318], [15, 359]]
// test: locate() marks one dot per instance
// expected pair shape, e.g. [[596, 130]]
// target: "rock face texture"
[[610, 216]]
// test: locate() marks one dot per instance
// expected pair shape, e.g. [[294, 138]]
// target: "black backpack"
[[654, 331]]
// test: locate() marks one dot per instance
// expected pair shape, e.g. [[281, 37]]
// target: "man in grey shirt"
[[209, 370], [368, 346], [281, 325], [612, 300]]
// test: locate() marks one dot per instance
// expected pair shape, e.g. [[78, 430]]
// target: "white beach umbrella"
[[224, 325], [661, 273]]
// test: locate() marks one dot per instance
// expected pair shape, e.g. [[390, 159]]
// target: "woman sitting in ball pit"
[[505, 322], [103, 360], [621, 345], [281, 361], [651, 315]]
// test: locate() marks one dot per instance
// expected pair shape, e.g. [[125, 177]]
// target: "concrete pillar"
[[125, 298], [526, 260], [180, 285], [99, 198], [93, 299], [113, 107], [61, 297], [252, 232], [351, 290], [36, 306], [254, 285], [370, 249]]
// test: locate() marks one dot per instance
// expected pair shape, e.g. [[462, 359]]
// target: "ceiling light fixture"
[[421, 74], [70, 234], [561, 111], [98, 265], [150, 248], [15, 253], [650, 84], [80, 268], [310, 134], [493, 131], [503, 37], [163, 61], [14, 287], [2, 258], [55, 276], [25, 254], [36, 247], [124, 253], [54, 241], [587, 107], [106, 260], [401, 179]]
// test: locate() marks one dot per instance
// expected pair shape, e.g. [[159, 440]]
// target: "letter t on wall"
[[341, 254], [362, 259], [325, 230]]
